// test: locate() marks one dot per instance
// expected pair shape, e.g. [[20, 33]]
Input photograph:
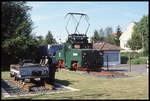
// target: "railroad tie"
[[49, 86]]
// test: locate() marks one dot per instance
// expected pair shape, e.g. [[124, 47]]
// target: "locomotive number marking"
[[75, 54], [59, 54]]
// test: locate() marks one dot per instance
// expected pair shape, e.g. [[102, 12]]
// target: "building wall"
[[126, 36], [113, 57]]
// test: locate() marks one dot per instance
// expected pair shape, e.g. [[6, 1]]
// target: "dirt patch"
[[108, 73], [102, 74]]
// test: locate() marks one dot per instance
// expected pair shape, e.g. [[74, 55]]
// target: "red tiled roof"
[[115, 33], [106, 46]]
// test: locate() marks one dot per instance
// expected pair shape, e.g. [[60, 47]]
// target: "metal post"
[[143, 43], [129, 69], [107, 62], [147, 67]]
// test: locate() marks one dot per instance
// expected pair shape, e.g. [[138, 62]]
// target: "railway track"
[[27, 86], [99, 74], [102, 72]]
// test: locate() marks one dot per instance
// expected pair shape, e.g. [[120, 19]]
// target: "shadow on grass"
[[63, 82], [92, 96], [22, 99], [4, 84], [118, 70], [96, 95]]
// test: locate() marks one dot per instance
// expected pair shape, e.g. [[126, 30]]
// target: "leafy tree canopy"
[[95, 37], [16, 28], [49, 38], [118, 34], [140, 36]]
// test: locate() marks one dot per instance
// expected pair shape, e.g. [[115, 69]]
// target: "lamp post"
[[129, 69], [147, 66], [143, 42], [129, 58], [107, 62]]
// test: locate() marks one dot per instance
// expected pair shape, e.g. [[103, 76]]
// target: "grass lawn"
[[96, 88]]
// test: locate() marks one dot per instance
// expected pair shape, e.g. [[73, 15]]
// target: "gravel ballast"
[[98, 76], [13, 91]]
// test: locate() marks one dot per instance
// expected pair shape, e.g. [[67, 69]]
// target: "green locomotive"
[[77, 53]]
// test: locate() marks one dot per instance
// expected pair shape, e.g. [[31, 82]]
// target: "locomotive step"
[[49, 86]]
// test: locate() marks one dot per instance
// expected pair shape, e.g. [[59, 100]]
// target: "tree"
[[118, 34], [110, 39], [144, 31], [49, 38], [95, 37], [108, 30], [135, 42], [16, 27], [40, 40], [108, 35], [15, 20], [101, 34], [140, 36]]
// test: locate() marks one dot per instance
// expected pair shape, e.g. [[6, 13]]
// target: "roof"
[[106, 46], [115, 33], [134, 22]]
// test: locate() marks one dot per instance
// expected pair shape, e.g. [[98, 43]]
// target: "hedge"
[[141, 60]]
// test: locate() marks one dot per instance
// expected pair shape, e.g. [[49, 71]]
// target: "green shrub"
[[136, 58], [133, 55], [140, 60], [144, 58]]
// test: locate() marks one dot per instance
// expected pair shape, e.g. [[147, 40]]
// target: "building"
[[126, 35], [111, 53]]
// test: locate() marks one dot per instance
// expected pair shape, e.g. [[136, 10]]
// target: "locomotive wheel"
[[88, 71], [84, 69], [75, 65], [60, 64], [99, 69]]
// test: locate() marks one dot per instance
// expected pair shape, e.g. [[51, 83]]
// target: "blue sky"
[[50, 15]]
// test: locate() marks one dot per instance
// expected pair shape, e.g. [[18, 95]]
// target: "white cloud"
[[39, 18], [35, 5], [46, 17]]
